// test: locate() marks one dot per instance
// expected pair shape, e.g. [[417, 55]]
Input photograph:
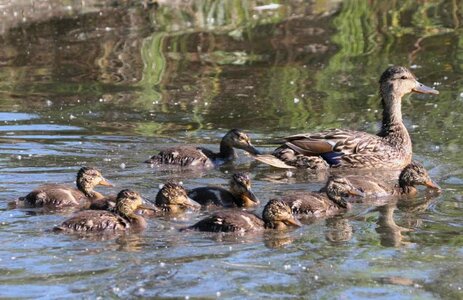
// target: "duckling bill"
[[276, 215], [193, 156]]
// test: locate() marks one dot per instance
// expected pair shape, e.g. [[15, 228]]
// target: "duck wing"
[[212, 196], [229, 221], [334, 143], [308, 203], [54, 196], [93, 221], [182, 156]]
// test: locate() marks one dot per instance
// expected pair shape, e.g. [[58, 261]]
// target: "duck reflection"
[[339, 230], [391, 234]]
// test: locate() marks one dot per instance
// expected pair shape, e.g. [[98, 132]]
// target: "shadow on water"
[[108, 84]]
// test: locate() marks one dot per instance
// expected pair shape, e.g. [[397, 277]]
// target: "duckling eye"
[[403, 77]]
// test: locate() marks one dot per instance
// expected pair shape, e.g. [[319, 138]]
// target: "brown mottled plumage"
[[276, 215], [412, 175], [391, 148], [192, 156], [240, 194], [100, 221], [317, 204], [173, 198], [55, 196]]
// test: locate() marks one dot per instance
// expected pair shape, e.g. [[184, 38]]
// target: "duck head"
[[127, 201], [399, 81], [173, 197], [278, 215], [339, 188], [240, 140], [240, 187], [88, 178], [415, 174]]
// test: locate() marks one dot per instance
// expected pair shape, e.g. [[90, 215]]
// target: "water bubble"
[[18, 157], [187, 297], [296, 100], [315, 277], [289, 174], [218, 294], [162, 265], [122, 166], [287, 267]]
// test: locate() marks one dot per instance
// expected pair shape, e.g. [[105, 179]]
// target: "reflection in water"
[[391, 233], [339, 230], [109, 83]]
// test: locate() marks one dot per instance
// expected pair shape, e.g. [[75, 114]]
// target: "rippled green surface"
[[107, 85]]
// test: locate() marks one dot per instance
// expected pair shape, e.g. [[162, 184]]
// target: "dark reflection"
[[339, 230], [391, 234], [278, 239]]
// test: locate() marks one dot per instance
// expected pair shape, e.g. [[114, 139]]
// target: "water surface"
[[109, 85]]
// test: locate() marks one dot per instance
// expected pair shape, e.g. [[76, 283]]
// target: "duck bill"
[[190, 203], [293, 222], [423, 89], [432, 185], [356, 192], [250, 199], [104, 182], [251, 149]]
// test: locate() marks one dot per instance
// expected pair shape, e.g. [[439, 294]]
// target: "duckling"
[[276, 215], [240, 194], [391, 148], [100, 221], [412, 175], [173, 198], [193, 156], [318, 204], [56, 196]]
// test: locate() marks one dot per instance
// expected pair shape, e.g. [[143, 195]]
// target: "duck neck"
[[406, 189], [392, 115], [338, 200], [88, 191], [274, 225], [226, 151], [136, 220]]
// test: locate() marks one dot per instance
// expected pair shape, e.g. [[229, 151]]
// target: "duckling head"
[[127, 201], [240, 140], [240, 186], [278, 215], [399, 81], [338, 188], [415, 174], [173, 196], [88, 178]]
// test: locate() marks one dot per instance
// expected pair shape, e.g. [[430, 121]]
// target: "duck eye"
[[403, 77]]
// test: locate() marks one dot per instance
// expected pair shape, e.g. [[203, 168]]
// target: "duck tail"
[[272, 161]]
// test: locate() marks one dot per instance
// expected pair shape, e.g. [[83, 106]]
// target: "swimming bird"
[[56, 196], [194, 156], [101, 221], [276, 215], [391, 148], [319, 204], [173, 198], [412, 175], [239, 195]]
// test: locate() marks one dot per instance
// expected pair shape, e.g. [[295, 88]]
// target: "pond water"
[[110, 85]]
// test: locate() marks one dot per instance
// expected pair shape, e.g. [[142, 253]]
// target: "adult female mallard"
[[193, 156], [276, 215], [412, 175], [240, 194], [56, 196], [330, 201], [101, 221], [391, 148]]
